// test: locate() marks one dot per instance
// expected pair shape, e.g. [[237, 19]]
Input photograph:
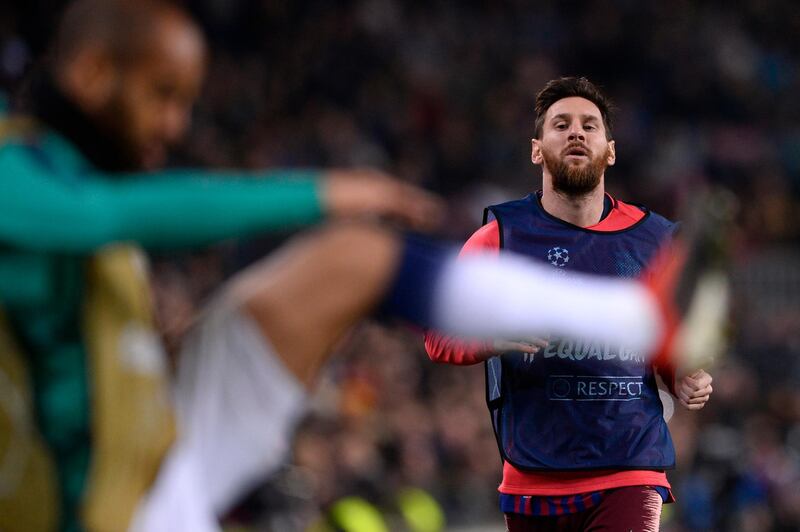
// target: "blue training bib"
[[578, 404]]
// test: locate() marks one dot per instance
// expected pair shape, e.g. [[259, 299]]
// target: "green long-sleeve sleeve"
[[52, 211]]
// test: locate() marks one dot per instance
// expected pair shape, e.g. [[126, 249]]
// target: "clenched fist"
[[694, 390]]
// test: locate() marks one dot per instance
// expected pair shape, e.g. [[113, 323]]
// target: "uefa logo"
[[558, 256]]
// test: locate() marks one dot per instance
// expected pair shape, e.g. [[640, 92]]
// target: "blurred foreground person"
[[579, 422], [93, 436]]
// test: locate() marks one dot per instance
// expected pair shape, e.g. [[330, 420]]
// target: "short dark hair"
[[123, 27], [558, 89]]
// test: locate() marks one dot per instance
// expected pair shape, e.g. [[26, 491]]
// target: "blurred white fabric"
[[237, 407]]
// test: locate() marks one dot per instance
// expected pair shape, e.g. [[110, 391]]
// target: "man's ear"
[[88, 78], [536, 152], [612, 153]]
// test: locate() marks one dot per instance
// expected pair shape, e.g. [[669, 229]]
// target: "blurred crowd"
[[441, 93]]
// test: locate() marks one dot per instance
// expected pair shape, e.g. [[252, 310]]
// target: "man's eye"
[[561, 126], [589, 127]]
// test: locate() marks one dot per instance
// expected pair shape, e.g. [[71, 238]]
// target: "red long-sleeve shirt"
[[450, 350]]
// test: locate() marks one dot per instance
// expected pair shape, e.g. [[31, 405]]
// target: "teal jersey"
[[57, 210]]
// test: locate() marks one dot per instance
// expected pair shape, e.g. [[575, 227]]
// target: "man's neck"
[[583, 211]]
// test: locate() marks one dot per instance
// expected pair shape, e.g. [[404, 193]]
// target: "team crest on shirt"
[[558, 256]]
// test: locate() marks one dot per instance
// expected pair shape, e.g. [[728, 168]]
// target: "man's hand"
[[501, 347], [360, 192], [528, 346], [694, 390]]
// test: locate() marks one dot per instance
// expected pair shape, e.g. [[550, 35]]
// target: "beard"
[[575, 179], [114, 119]]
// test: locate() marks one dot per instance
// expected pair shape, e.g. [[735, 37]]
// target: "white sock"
[[509, 297]]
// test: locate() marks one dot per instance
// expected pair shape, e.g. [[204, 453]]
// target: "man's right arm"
[[446, 349], [44, 211]]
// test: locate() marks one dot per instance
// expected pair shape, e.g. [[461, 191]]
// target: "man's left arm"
[[693, 391]]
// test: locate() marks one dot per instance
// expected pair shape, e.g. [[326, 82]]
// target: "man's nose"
[[174, 123], [576, 133]]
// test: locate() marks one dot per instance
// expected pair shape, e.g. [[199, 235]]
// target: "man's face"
[[573, 147], [149, 107]]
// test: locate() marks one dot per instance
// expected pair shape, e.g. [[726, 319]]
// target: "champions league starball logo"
[[558, 256]]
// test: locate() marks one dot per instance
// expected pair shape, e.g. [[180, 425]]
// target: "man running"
[[578, 421]]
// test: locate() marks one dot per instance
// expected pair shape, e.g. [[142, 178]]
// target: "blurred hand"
[[694, 390], [532, 346], [359, 192]]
